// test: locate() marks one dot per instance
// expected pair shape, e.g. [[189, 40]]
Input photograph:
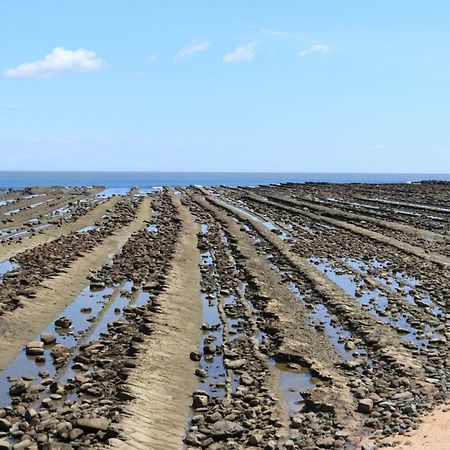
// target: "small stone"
[[255, 440], [200, 401], [246, 379], [30, 414], [63, 322], [365, 406], [214, 417], [34, 348], [63, 427], [226, 429], [326, 442], [19, 388], [47, 403], [26, 443], [201, 373], [48, 338], [59, 351], [191, 439], [195, 356], [5, 425], [368, 446], [349, 345], [209, 349], [75, 434]]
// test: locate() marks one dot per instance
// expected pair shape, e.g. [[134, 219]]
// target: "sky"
[[201, 85]]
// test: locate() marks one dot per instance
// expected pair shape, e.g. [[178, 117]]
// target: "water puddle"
[[87, 228], [17, 210], [59, 211], [152, 228], [211, 362], [89, 315], [6, 266], [413, 205], [11, 212], [117, 191], [82, 313], [6, 202], [344, 202], [283, 234], [398, 282], [34, 196], [374, 300], [340, 338], [293, 380], [149, 190]]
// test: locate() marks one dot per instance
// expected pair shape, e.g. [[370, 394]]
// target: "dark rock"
[[365, 406], [226, 429]]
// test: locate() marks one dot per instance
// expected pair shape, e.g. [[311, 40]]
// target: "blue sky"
[[295, 85]]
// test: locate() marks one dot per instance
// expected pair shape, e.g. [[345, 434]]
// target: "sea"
[[13, 179]]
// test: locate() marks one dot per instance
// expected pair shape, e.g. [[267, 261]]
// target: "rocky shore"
[[321, 319]]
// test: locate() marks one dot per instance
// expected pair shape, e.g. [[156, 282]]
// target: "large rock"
[[226, 429], [94, 424], [235, 364]]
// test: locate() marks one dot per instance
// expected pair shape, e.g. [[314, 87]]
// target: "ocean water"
[[149, 179]]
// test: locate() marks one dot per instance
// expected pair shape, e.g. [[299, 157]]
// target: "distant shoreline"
[[20, 179]]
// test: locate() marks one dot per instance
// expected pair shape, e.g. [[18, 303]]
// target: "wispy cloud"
[[9, 108], [280, 33], [242, 53], [137, 74], [321, 49], [192, 48], [152, 58], [59, 60]]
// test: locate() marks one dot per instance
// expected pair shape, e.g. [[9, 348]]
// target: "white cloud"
[[321, 49], [192, 48], [242, 53], [153, 58], [59, 60], [137, 74]]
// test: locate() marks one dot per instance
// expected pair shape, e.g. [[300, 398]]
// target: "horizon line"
[[220, 172]]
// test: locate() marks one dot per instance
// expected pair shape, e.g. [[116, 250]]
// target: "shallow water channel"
[[90, 312]]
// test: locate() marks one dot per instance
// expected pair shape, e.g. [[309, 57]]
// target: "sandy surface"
[[164, 380], [433, 434], [58, 292]]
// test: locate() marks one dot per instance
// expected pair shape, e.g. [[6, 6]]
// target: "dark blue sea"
[[152, 179]]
